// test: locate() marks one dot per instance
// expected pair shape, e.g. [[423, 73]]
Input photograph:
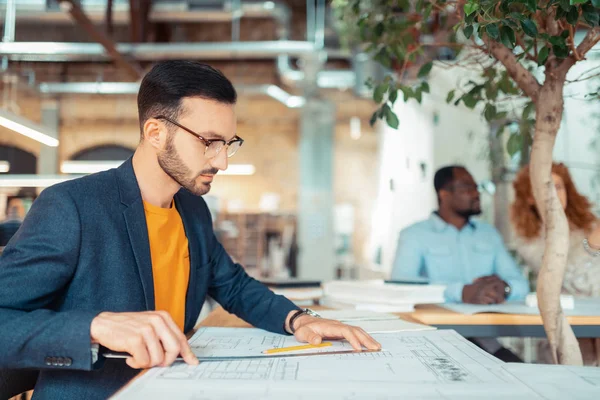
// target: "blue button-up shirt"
[[452, 257]]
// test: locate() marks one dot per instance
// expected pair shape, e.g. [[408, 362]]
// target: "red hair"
[[524, 215]]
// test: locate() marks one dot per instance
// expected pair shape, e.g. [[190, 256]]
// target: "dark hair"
[[444, 176], [168, 82]]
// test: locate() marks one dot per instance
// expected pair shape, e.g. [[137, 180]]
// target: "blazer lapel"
[[190, 298], [135, 219]]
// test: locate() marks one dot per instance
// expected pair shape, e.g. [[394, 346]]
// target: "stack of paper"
[[374, 322], [376, 295]]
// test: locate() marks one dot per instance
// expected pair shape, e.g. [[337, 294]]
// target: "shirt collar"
[[440, 225]]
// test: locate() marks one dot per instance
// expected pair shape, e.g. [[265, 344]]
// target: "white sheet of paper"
[[390, 325], [414, 365], [558, 382], [356, 315], [584, 307]]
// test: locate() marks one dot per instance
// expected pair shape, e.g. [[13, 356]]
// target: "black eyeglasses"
[[213, 146]]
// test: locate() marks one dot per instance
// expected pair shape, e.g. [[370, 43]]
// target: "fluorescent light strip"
[[4, 166], [27, 128], [33, 181], [87, 167]]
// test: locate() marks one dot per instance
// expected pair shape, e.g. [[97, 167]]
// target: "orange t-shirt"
[[170, 260]]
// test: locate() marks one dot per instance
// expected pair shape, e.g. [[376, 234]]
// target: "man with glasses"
[[451, 249], [124, 259]]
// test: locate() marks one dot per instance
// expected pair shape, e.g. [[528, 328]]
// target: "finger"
[[485, 299], [307, 335], [494, 293], [350, 336], [153, 345], [168, 338], [366, 340], [181, 345], [139, 353]]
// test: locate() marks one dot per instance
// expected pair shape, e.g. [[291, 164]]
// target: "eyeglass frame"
[[206, 142]]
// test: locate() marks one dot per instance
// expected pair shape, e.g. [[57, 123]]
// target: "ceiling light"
[[33, 181], [26, 128], [4, 166]]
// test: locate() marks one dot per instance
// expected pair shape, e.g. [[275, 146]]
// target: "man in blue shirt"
[[451, 249]]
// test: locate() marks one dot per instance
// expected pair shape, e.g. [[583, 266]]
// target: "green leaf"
[[565, 4], [517, 16], [596, 3], [418, 95], [490, 112], [450, 96], [391, 118], [501, 115], [470, 8], [379, 92], [425, 69], [573, 2], [393, 95], [468, 31], [374, 118], [531, 5], [543, 55], [557, 41], [425, 87], [529, 108], [529, 27], [407, 92], [469, 100], [591, 16], [383, 58], [492, 31], [507, 36], [378, 30], [573, 16], [560, 52], [513, 146], [427, 11]]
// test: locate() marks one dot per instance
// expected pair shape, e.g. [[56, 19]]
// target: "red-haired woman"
[[582, 275]]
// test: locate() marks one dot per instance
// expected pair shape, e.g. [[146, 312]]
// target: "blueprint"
[[412, 365], [248, 342]]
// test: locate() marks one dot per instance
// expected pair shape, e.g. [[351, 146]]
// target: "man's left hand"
[[309, 329]]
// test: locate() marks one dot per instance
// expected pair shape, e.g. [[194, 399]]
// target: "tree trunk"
[[549, 110]]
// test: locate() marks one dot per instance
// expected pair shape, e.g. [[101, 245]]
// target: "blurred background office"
[[316, 192]]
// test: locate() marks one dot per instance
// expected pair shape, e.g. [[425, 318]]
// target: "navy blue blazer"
[[83, 249]]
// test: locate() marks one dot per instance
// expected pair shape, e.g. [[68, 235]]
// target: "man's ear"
[[153, 132], [444, 194]]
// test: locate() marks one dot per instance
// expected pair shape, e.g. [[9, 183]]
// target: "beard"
[[469, 212], [173, 165]]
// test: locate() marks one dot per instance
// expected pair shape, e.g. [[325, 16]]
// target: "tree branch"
[[572, 43], [521, 43], [524, 79], [588, 42]]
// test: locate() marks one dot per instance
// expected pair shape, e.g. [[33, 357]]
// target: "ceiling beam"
[[79, 16], [139, 11]]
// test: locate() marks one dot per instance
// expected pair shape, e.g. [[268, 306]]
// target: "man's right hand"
[[152, 338], [484, 290]]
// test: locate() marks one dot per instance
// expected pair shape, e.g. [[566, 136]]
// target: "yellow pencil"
[[294, 348]]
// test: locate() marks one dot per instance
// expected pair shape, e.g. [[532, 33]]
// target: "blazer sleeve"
[[242, 295], [35, 269]]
